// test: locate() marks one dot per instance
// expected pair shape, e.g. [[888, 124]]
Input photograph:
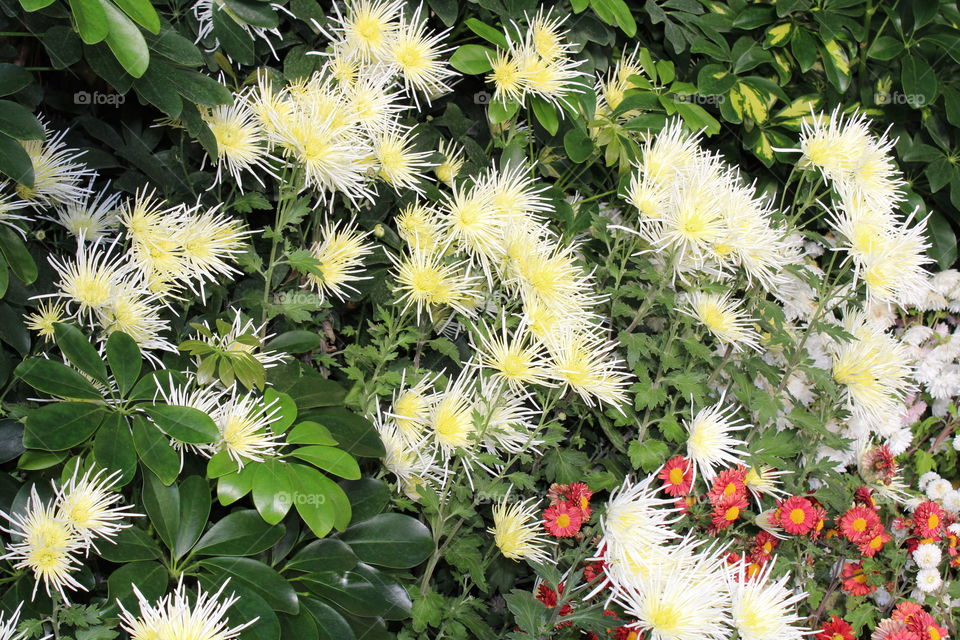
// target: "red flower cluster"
[[909, 621], [551, 598], [677, 476], [799, 516], [855, 580], [728, 497], [928, 520], [861, 525], [569, 509], [836, 628]]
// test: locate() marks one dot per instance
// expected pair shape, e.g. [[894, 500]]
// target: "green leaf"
[[311, 503], [154, 450], [150, 578], [919, 81], [162, 505], [242, 533], [79, 351], [254, 13], [578, 145], [296, 341], [126, 41], [260, 578], [61, 425], [885, 48], [56, 378], [113, 448], [141, 12], [283, 405], [324, 555], [390, 540], [131, 544], [158, 87], [14, 162], [472, 59], [201, 89], [356, 434], [234, 486], [125, 361], [362, 591], [616, 12], [943, 239], [487, 32], [273, 493], [546, 114], [185, 424], [237, 43], [249, 606], [330, 459], [529, 612], [35, 5], [368, 497], [91, 20], [647, 454], [15, 251], [194, 513], [330, 624], [17, 122], [310, 433], [174, 47]]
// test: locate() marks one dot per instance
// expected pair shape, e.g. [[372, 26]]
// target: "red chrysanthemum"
[[855, 580], [796, 515], [579, 494], [626, 633], [925, 627], [859, 524], [729, 482], [870, 547], [763, 546], [901, 634], [562, 520], [677, 476], [819, 521], [548, 596], [593, 570], [928, 520], [864, 497], [906, 611], [836, 629], [881, 462], [727, 510]]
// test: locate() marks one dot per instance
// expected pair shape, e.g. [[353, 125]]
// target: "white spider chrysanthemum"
[[894, 267], [695, 222], [90, 280], [420, 227], [585, 363], [551, 273], [709, 440], [374, 105], [555, 80], [515, 359], [449, 168], [178, 615], [136, 312], [510, 420], [687, 603], [88, 504], [47, 314], [210, 240], [241, 141], [834, 144], [671, 152], [722, 316], [9, 625], [368, 28], [636, 517], [339, 254], [451, 417], [762, 609], [873, 369], [46, 545], [425, 281], [91, 218], [244, 423], [397, 163], [517, 531], [9, 206], [508, 83], [156, 249], [515, 193], [472, 222], [412, 461], [419, 57], [411, 406], [58, 173], [545, 34], [763, 480]]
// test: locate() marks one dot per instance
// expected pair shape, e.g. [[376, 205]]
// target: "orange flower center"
[[933, 633], [563, 521], [933, 521], [797, 516], [730, 489], [860, 525], [584, 503], [876, 543], [767, 547], [862, 578], [837, 636], [676, 475], [732, 514]]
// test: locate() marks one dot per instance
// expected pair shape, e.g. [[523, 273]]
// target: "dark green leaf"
[[390, 540], [61, 425], [242, 533], [79, 351], [186, 424]]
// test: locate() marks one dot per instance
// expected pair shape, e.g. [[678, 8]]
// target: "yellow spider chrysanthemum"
[[47, 314], [419, 226], [182, 616], [722, 316], [419, 57], [508, 82], [368, 27], [58, 173], [244, 423], [449, 168], [87, 504], [515, 359], [90, 280], [339, 255], [451, 417], [398, 164], [241, 141]]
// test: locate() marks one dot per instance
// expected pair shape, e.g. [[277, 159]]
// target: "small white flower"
[[927, 478], [929, 580], [939, 488], [927, 556]]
